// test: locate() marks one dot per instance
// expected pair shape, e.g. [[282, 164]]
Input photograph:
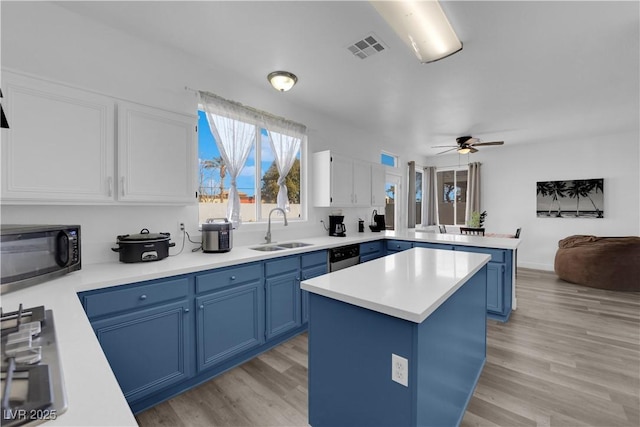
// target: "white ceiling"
[[528, 72]]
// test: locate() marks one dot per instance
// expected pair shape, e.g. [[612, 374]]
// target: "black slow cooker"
[[144, 246]]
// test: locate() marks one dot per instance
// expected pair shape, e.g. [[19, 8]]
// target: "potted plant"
[[477, 219]]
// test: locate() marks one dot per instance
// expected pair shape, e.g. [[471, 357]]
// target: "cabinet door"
[[433, 246], [156, 155], [361, 183], [229, 322], [378, 178], [341, 181], [282, 303], [60, 147], [495, 287], [310, 273], [398, 245], [149, 349]]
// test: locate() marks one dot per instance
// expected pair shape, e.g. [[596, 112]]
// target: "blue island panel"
[[350, 352]]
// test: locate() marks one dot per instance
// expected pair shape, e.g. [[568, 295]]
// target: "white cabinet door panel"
[[60, 145], [341, 181], [156, 155], [378, 178], [361, 183]]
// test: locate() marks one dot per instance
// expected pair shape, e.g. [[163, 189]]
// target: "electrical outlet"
[[400, 370], [180, 225]]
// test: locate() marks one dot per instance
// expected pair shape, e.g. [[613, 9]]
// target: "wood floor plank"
[[569, 356]]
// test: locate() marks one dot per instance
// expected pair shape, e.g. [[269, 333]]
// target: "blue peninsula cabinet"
[[499, 276]]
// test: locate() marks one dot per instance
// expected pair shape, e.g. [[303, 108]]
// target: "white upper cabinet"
[[378, 178], [61, 148], [60, 145], [361, 183], [340, 181], [156, 155]]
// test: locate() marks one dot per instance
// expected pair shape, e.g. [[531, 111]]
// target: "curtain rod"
[[453, 166], [239, 104]]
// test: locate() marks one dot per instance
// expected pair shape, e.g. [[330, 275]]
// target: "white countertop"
[[409, 285], [85, 368]]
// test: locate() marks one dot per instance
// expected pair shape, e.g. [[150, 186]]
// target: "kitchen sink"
[[293, 245], [267, 248], [280, 246]]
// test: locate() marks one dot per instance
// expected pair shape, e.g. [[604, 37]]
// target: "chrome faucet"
[[268, 236]]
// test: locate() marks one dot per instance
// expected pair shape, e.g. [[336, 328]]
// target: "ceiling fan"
[[466, 144]]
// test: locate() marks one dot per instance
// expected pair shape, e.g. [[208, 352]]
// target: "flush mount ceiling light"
[[423, 26], [282, 80]]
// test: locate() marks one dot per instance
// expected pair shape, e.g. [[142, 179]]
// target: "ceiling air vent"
[[366, 47]]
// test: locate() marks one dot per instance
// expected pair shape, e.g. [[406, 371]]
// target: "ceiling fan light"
[[282, 80], [464, 150], [423, 26]]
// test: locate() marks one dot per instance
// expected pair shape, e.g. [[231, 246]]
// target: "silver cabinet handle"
[[122, 185], [233, 277], [143, 297], [201, 307], [110, 186], [186, 310]]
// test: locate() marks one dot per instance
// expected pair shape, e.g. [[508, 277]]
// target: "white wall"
[[510, 173], [45, 40]]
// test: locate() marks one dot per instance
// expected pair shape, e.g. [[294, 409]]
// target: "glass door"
[[393, 202]]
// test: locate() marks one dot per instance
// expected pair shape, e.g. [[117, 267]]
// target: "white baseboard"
[[535, 266]]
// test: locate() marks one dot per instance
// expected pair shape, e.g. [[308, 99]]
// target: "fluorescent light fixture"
[[423, 26], [282, 80]]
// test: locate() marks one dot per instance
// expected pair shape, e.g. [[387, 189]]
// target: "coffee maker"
[[336, 226]]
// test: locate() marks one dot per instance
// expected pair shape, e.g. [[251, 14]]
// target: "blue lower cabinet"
[[495, 287], [149, 349], [371, 250], [499, 281], [282, 295], [310, 273], [229, 322], [432, 246], [313, 264], [394, 246]]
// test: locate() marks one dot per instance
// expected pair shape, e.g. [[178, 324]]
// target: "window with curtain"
[[250, 162], [419, 188], [452, 196]]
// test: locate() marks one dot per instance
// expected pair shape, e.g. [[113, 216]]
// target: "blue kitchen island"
[[398, 341]]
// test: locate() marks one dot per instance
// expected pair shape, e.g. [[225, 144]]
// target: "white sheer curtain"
[[473, 190], [285, 149], [234, 138]]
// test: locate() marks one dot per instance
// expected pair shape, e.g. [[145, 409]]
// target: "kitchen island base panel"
[[350, 350]]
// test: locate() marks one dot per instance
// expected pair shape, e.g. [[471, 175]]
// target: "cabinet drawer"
[[433, 246], [314, 258], [133, 296], [370, 247], [497, 255], [397, 245], [280, 266], [224, 277]]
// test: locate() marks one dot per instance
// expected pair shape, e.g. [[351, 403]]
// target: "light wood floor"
[[569, 356]]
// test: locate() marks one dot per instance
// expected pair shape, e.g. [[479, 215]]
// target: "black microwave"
[[32, 254]]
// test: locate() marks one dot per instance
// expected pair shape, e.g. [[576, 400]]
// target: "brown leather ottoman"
[[600, 262]]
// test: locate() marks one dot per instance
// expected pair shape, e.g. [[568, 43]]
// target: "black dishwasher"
[[343, 257]]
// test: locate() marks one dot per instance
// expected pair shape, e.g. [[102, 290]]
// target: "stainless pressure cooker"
[[217, 235]]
